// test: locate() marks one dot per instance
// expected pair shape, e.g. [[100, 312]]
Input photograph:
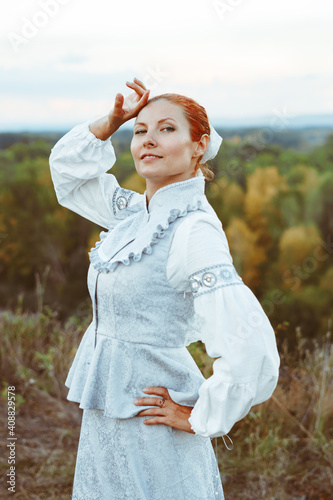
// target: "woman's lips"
[[150, 158]]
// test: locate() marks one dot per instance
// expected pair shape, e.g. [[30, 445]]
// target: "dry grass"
[[282, 450], [35, 352]]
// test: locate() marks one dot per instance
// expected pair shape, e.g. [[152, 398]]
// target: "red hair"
[[198, 120]]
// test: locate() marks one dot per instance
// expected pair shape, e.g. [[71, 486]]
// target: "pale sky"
[[63, 61]]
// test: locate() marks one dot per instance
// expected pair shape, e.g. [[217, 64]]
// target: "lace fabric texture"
[[132, 343], [138, 337], [124, 459]]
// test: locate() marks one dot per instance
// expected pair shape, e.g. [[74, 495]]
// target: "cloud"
[[263, 55]]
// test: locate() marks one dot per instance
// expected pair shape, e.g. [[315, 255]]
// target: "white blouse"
[[233, 324]]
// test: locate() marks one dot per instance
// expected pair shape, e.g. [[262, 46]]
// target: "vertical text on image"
[[11, 444]]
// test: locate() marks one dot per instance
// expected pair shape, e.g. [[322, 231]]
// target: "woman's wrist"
[[103, 128]]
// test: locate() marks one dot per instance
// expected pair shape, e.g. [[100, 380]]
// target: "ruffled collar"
[[147, 226]]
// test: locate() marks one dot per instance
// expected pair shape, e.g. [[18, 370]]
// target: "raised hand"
[[123, 110], [128, 107]]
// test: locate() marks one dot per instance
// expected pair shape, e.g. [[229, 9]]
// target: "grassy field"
[[282, 450]]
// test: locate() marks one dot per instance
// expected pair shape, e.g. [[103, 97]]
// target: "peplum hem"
[[113, 374]]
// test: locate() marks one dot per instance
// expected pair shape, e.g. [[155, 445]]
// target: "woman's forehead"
[[159, 110]]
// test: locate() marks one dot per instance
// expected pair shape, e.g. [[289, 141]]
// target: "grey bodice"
[[136, 303], [140, 322]]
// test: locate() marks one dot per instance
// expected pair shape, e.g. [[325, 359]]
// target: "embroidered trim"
[[121, 198], [205, 280]]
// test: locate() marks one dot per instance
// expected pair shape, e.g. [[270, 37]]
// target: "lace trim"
[[205, 280], [121, 198], [152, 239]]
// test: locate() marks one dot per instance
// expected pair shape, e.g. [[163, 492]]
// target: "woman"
[[160, 278]]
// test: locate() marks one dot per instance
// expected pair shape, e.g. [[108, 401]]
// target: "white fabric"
[[79, 163], [215, 141], [235, 327], [235, 330]]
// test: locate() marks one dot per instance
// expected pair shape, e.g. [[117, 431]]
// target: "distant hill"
[[300, 139], [276, 120], [7, 139], [303, 139]]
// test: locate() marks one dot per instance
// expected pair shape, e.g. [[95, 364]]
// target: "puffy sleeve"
[[234, 327], [79, 162]]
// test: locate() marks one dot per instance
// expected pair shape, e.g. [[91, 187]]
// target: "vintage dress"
[[161, 277]]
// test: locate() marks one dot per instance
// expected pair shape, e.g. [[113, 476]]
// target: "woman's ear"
[[202, 145]]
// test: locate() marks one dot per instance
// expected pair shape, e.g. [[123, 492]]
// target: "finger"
[[155, 420], [143, 100], [149, 402], [140, 104], [139, 82], [159, 391], [138, 89], [119, 101], [145, 96], [150, 412], [134, 109]]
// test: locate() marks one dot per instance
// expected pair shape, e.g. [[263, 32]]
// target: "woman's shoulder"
[[199, 241], [199, 223]]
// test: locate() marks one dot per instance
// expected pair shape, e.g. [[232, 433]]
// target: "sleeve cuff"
[[84, 131], [193, 428]]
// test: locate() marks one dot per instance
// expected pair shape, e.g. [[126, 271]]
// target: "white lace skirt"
[[125, 459]]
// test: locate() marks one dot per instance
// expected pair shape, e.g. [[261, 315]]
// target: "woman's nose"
[[149, 140]]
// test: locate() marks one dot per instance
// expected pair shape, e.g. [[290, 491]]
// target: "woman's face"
[[162, 147]]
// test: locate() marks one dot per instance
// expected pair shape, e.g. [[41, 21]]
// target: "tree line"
[[275, 205]]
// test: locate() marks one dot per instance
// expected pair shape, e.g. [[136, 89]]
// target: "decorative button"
[[226, 274], [209, 279], [121, 202], [195, 285]]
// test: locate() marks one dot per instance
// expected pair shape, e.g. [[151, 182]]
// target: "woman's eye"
[[143, 131]]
